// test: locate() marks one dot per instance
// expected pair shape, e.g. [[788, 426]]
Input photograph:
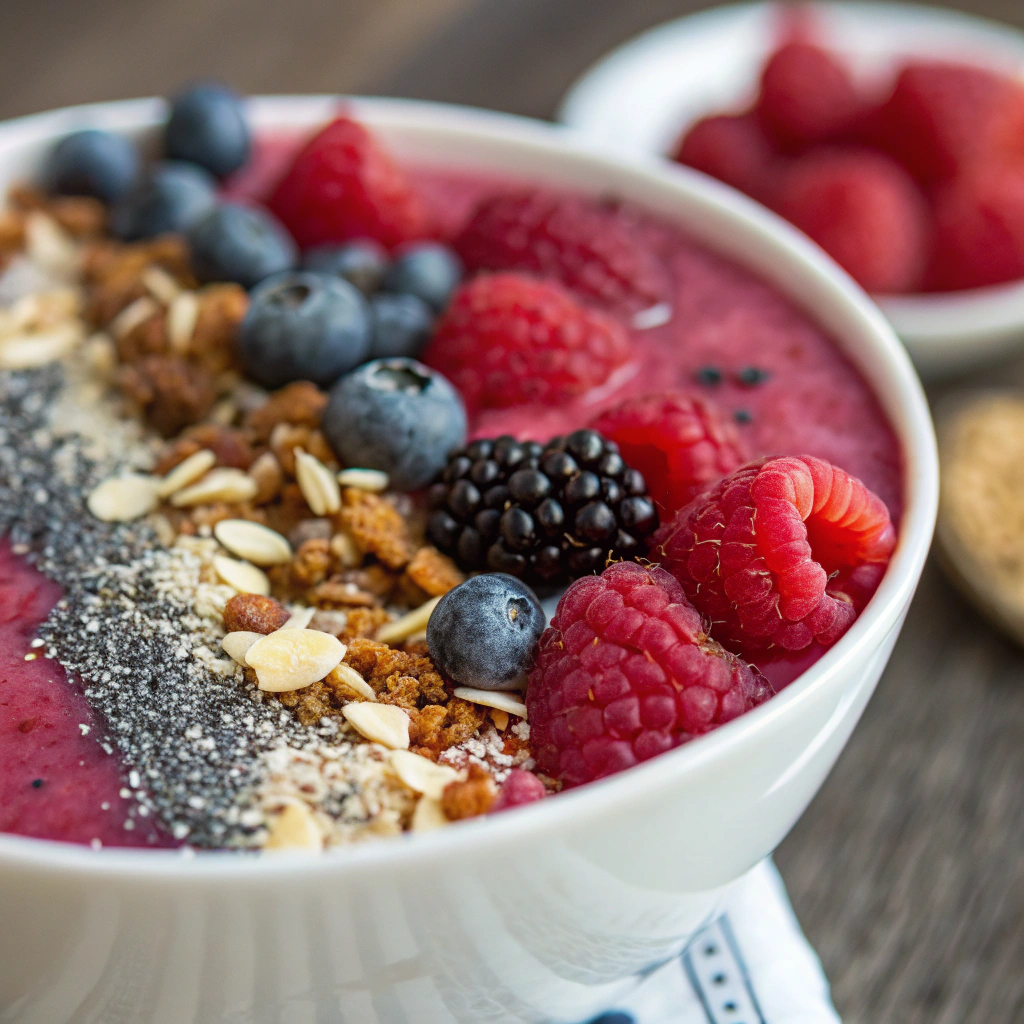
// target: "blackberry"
[[545, 513]]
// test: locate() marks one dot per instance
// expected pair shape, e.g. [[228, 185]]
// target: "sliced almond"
[[40, 309], [318, 484], [238, 643], [123, 498], [224, 413], [380, 723], [225, 484], [49, 245], [500, 719], [349, 679], [182, 315], [23, 351], [421, 774], [343, 547], [254, 542], [492, 699], [290, 659], [428, 815], [300, 619], [132, 315], [186, 472], [242, 576], [407, 625], [160, 284], [100, 353], [294, 829], [364, 479]]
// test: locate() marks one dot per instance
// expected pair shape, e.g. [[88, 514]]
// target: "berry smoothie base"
[[729, 336]]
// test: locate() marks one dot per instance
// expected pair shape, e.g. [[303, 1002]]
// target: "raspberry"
[[506, 339], [979, 236], [943, 117], [865, 211], [807, 96], [597, 250], [733, 149], [343, 184], [681, 443], [783, 552], [625, 672], [521, 787]]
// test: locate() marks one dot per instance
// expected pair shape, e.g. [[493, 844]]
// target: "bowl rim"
[[411, 853], [935, 323]]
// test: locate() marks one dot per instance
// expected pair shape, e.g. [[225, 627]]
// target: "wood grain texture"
[[908, 869]]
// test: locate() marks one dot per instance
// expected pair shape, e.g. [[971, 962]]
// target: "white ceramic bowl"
[[544, 914], [641, 96]]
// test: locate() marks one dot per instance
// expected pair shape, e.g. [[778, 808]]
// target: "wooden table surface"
[[908, 869]]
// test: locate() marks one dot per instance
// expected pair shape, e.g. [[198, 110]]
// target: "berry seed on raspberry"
[[624, 672], [783, 553]]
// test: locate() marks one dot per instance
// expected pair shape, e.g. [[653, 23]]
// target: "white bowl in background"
[[542, 914], [643, 94]]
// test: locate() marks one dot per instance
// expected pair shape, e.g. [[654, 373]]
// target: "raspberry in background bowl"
[[452, 889], [645, 93]]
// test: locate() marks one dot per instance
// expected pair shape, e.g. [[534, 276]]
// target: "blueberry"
[[361, 262], [616, 1017], [303, 326], [428, 270], [239, 243], [401, 324], [92, 163], [171, 197], [484, 632], [398, 416], [207, 127]]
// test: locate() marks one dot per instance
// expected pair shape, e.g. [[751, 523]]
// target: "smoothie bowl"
[[620, 341]]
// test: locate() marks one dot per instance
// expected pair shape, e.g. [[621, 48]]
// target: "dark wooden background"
[[908, 869]]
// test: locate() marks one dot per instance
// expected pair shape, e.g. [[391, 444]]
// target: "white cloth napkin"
[[751, 966]]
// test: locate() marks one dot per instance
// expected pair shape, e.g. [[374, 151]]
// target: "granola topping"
[[246, 612]]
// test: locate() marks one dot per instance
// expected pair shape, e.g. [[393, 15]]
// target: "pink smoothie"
[[56, 780]]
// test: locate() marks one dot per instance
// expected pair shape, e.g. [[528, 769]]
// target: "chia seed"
[[709, 376], [190, 739], [751, 376]]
